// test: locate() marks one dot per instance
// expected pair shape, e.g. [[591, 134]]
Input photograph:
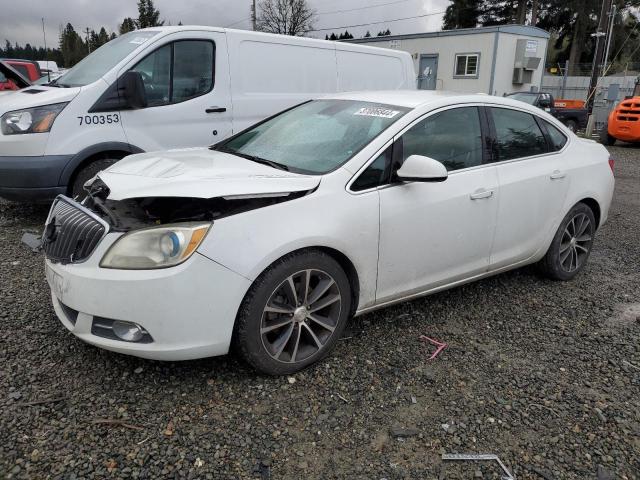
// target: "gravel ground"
[[546, 375]]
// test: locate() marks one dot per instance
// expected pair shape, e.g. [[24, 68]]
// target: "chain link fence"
[[610, 90]]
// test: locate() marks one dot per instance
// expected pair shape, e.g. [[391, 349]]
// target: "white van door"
[[186, 80]]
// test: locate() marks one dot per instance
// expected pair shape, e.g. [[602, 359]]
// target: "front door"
[[428, 72], [433, 234], [186, 82]]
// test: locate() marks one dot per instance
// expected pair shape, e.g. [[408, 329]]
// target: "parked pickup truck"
[[574, 118]]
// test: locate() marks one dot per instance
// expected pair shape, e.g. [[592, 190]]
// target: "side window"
[[517, 134], [156, 76], [189, 76], [558, 139], [375, 174], [453, 137], [192, 69]]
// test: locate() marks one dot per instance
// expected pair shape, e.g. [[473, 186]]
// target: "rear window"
[[517, 134], [558, 139]]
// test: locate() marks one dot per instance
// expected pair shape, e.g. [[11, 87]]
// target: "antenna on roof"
[[46, 53]]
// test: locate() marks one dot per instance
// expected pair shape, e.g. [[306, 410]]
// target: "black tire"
[[248, 337], [88, 172], [554, 264], [572, 125], [605, 138]]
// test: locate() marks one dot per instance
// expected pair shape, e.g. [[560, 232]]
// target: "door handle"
[[480, 194], [216, 110], [557, 175]]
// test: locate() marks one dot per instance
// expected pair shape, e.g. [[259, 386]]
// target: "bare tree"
[[288, 17]]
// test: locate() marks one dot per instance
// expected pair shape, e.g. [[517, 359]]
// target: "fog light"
[[128, 331]]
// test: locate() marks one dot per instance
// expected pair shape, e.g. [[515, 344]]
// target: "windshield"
[[103, 59], [315, 137], [523, 97]]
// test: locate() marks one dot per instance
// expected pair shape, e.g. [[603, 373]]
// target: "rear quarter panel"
[[590, 175]]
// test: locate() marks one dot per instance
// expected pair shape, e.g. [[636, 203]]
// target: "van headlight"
[[156, 247], [30, 120]]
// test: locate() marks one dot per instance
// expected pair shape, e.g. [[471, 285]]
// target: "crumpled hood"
[[48, 96], [198, 173]]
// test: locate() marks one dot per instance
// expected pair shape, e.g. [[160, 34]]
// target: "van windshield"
[[315, 137], [103, 59]]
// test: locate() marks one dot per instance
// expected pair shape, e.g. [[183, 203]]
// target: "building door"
[[428, 72]]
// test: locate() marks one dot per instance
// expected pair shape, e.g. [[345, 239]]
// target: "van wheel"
[[605, 138], [571, 246], [572, 125], [294, 313], [88, 172]]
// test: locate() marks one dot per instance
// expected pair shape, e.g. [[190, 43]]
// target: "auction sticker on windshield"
[[377, 112], [138, 40]]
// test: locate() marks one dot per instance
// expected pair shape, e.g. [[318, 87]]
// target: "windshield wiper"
[[254, 158]]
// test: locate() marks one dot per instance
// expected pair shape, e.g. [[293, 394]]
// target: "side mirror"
[[418, 168], [131, 86], [544, 103]]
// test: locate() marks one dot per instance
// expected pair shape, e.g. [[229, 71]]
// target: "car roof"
[[423, 98]]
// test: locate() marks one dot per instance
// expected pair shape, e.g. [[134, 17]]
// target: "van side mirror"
[[125, 93], [418, 168], [132, 89]]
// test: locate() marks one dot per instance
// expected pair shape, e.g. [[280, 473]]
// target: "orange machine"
[[624, 120]]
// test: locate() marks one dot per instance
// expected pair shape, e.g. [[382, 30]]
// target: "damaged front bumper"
[[188, 310]]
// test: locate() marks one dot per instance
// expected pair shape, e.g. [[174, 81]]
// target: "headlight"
[[156, 247], [30, 120]]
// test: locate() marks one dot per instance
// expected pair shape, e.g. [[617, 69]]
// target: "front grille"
[[72, 232]]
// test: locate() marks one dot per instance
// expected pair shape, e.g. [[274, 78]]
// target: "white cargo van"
[[171, 87]]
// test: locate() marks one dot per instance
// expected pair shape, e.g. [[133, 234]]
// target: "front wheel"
[[87, 173], [571, 244], [605, 138], [294, 313]]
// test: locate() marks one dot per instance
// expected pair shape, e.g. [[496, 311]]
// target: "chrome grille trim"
[[76, 234]]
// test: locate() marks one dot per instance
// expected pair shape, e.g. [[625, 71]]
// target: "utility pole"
[[597, 60], [612, 18], [534, 12], [87, 37], [253, 15]]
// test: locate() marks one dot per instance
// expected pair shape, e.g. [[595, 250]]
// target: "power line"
[[363, 8], [376, 23], [235, 23]]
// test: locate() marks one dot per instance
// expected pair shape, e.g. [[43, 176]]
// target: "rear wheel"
[[294, 313], [572, 125], [571, 245], [86, 173]]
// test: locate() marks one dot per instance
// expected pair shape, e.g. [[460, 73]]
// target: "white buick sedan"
[[271, 240]]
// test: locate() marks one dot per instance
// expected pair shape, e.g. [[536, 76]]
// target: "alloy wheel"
[[300, 316], [576, 242]]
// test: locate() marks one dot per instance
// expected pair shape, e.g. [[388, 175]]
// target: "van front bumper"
[[188, 310], [32, 178]]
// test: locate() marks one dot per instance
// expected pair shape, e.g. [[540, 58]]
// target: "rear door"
[[186, 80], [533, 184]]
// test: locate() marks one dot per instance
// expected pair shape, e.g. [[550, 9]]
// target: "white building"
[[493, 60]]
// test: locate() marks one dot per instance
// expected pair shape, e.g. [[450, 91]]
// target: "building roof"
[[525, 30]]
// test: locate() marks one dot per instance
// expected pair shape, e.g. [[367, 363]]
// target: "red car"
[[27, 69]]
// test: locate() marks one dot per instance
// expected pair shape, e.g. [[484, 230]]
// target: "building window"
[[467, 65]]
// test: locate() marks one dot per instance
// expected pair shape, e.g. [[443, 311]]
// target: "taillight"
[[611, 163]]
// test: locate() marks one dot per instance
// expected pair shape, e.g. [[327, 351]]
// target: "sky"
[[21, 20]]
